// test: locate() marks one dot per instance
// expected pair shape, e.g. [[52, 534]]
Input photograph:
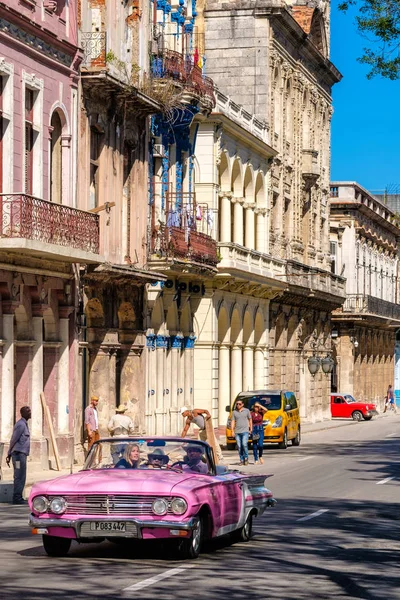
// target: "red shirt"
[[257, 418]]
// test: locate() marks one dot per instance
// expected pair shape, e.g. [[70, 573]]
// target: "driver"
[[156, 459], [193, 460]]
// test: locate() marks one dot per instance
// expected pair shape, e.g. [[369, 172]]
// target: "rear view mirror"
[[288, 407], [228, 408]]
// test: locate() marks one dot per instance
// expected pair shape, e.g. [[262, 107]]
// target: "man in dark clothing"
[[19, 451]]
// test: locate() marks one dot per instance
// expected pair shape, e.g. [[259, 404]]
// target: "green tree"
[[379, 22]]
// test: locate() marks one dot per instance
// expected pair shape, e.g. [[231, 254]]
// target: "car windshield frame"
[[261, 399], [106, 453]]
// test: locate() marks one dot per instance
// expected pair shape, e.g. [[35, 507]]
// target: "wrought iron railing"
[[360, 304], [24, 216], [94, 48]]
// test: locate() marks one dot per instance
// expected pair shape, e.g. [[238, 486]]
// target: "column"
[[260, 229], [249, 226], [189, 366], [63, 378], [238, 220], [248, 367], [224, 380], [7, 379], [151, 368], [259, 378], [225, 217], [161, 346], [175, 351], [37, 378], [236, 371]]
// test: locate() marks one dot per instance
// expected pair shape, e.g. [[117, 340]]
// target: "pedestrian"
[[92, 421], [241, 426], [199, 416], [257, 416], [389, 400], [120, 425], [18, 452]]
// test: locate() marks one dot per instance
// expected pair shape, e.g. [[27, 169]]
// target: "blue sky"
[[365, 123]]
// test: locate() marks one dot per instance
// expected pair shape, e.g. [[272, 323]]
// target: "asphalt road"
[[335, 533]]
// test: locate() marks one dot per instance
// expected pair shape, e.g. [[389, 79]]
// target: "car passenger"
[[157, 459], [193, 460], [130, 459]]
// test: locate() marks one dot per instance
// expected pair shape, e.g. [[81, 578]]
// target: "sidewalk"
[[34, 475]]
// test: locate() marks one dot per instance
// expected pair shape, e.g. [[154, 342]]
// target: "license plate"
[[108, 526]]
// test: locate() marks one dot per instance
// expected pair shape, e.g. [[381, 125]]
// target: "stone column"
[[225, 217], [63, 378], [189, 369], [224, 380], [236, 370], [259, 376], [176, 420], [249, 240], [238, 220], [161, 348], [260, 229], [151, 383], [248, 367], [36, 424], [7, 379]]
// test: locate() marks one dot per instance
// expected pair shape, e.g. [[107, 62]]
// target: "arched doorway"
[[56, 165]]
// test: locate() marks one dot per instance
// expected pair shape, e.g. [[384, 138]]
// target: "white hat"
[[121, 408], [184, 409]]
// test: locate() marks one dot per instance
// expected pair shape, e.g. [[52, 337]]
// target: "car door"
[[337, 406], [291, 426], [229, 495]]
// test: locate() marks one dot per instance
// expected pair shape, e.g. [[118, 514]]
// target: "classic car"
[[147, 489], [346, 407]]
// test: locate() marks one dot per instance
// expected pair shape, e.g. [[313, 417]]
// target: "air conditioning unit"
[[158, 151]]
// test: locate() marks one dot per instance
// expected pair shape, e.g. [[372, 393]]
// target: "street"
[[335, 533]]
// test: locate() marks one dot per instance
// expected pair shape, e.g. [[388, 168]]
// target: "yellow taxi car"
[[281, 421]]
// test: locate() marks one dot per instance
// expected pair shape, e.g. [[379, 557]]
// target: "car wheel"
[[245, 533], [368, 418], [297, 439], [283, 444], [357, 415], [231, 446], [191, 548], [56, 546]]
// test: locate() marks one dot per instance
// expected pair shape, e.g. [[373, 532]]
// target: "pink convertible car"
[[147, 488]]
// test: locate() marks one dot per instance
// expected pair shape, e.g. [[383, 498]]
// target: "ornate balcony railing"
[[187, 231], [94, 46], [24, 216], [371, 305]]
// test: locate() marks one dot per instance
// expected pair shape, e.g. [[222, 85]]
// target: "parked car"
[[281, 422], [346, 407], [172, 489]]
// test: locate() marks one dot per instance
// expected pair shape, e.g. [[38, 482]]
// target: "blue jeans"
[[258, 446], [19, 464], [242, 440]]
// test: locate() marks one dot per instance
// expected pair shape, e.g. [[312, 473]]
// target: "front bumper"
[[48, 523]]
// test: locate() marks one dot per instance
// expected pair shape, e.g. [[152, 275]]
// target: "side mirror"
[[228, 408], [288, 407]]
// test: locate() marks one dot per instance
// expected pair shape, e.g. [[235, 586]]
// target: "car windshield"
[[149, 453], [269, 401], [349, 398]]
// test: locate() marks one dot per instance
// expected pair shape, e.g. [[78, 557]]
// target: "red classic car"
[[345, 406], [147, 488]]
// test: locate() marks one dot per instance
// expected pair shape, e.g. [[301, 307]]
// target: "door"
[[290, 399], [338, 406]]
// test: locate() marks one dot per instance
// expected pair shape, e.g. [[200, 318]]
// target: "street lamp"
[[313, 364], [327, 364]]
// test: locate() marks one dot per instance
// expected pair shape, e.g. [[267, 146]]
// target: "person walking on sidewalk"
[[199, 416], [389, 403], [92, 421], [18, 452], [257, 416], [242, 425], [120, 425]]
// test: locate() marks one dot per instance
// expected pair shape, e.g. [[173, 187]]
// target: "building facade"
[[43, 235], [273, 58], [364, 238]]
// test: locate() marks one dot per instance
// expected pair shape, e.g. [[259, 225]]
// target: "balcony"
[[186, 234], [250, 265], [310, 170], [315, 280], [36, 227], [94, 50], [358, 304]]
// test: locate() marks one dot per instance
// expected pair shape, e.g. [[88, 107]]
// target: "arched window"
[[56, 160]]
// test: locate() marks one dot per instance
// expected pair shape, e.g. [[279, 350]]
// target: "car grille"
[[99, 504]]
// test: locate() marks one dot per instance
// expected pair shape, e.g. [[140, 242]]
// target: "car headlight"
[[159, 506], [40, 504], [278, 422], [58, 505], [179, 506]]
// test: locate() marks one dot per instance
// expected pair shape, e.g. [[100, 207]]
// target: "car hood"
[[116, 481]]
